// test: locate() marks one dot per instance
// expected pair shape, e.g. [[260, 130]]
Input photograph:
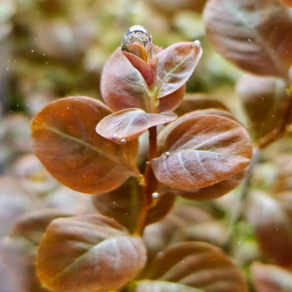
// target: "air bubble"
[[115, 136], [136, 33], [196, 43], [155, 195], [123, 141], [32, 51], [167, 121], [166, 154]]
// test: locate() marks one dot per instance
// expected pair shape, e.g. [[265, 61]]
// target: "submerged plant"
[[93, 148]]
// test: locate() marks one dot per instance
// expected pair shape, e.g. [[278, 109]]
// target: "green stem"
[[149, 183]]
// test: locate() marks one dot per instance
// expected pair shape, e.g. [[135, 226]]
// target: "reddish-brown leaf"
[[19, 249], [202, 151], [194, 102], [145, 69], [172, 101], [269, 278], [196, 265], [175, 65], [264, 99], [251, 34], [211, 111], [287, 2], [214, 191], [272, 226], [122, 86], [89, 253], [125, 203], [129, 124], [65, 141]]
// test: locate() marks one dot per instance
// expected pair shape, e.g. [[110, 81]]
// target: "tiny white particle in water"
[[166, 154], [32, 51], [115, 136], [155, 195], [182, 261], [44, 54], [7, 69], [238, 242], [123, 141], [167, 121], [67, 108], [114, 202]]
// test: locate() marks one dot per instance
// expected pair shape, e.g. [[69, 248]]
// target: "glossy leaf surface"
[[129, 124], [251, 34], [214, 191], [202, 151], [272, 226], [186, 116], [175, 65], [19, 249], [270, 278], [89, 253], [264, 100], [65, 141], [125, 204], [194, 265]]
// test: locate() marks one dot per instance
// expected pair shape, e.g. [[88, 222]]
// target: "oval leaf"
[[251, 35], [125, 203], [129, 124], [214, 191], [175, 66], [264, 100], [19, 249], [89, 253], [196, 265], [65, 141], [272, 226], [269, 278], [165, 132], [202, 151]]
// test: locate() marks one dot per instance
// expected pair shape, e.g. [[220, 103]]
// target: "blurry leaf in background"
[[286, 2], [124, 204], [19, 249], [264, 100], [272, 226], [17, 196], [65, 141], [269, 278], [248, 33], [197, 265], [80, 253], [202, 151]]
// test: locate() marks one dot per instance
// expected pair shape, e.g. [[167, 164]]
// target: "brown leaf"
[[89, 253], [19, 249], [145, 69], [196, 265], [175, 65], [287, 2], [202, 151], [272, 226], [122, 86], [269, 278], [125, 203], [65, 141], [251, 35], [194, 102], [264, 99], [211, 111], [172, 101], [129, 124], [214, 191]]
